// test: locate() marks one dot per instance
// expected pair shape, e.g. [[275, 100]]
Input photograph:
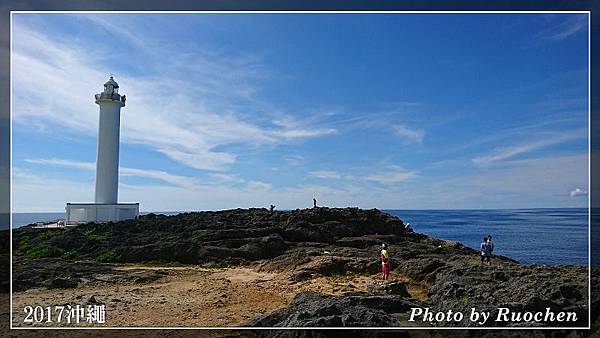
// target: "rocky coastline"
[[305, 244]]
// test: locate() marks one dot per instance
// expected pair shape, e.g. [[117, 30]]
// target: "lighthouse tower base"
[[81, 213]]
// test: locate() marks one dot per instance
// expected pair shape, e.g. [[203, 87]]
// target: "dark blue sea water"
[[543, 236]]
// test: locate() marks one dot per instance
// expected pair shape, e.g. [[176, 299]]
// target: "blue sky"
[[412, 111]]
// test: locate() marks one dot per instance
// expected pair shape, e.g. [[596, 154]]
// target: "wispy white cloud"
[[38, 193], [219, 178], [107, 22], [257, 186], [503, 153], [518, 185], [299, 133], [408, 134], [33, 192], [527, 183], [63, 163], [177, 180], [573, 24], [394, 174], [294, 160], [187, 109], [290, 127], [578, 192], [325, 174], [407, 103], [561, 27]]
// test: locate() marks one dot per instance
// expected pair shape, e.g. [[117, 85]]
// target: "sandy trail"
[[189, 296]]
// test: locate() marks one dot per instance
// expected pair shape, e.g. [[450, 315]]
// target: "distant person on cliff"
[[314, 202], [490, 244], [485, 251], [385, 262]]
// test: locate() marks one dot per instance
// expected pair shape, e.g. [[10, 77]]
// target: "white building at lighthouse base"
[[81, 213]]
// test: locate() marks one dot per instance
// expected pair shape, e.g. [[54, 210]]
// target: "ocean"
[[541, 236]]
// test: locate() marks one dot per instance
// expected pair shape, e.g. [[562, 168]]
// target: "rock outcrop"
[[311, 242], [358, 309]]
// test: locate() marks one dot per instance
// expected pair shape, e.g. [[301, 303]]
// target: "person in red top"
[[385, 262]]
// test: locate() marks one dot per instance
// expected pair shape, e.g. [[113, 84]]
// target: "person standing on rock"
[[314, 202], [385, 262], [490, 244], [485, 251]]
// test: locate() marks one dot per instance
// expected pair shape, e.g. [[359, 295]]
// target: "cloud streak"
[[505, 153], [325, 174], [519, 185], [408, 134], [570, 26], [176, 180], [189, 111], [394, 174]]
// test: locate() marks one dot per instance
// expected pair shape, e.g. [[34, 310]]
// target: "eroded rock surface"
[[360, 309], [308, 243]]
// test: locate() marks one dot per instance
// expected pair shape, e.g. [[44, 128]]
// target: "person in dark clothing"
[[314, 202], [485, 251]]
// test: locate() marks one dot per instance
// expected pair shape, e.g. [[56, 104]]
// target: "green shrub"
[[23, 243], [91, 235], [98, 238], [69, 255], [44, 251], [48, 234], [216, 265], [109, 257]]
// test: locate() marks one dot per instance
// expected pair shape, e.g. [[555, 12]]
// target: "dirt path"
[[189, 296]]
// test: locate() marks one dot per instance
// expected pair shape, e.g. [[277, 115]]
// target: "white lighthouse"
[[107, 161], [106, 207]]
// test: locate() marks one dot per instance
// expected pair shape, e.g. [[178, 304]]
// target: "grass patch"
[[91, 235], [463, 299], [23, 243], [48, 234], [216, 265], [70, 255], [109, 257], [44, 251], [97, 238]]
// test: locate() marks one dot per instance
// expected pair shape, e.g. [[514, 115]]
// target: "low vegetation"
[[110, 256]]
